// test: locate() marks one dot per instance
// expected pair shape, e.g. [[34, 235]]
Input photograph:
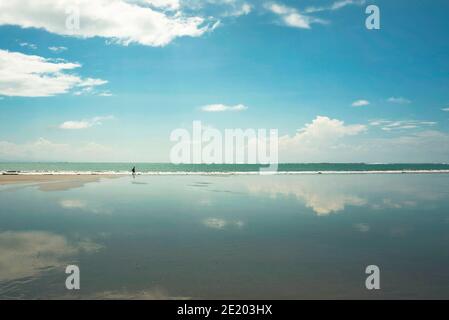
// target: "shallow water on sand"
[[275, 237]]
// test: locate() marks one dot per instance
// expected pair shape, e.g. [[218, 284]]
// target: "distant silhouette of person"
[[133, 170]]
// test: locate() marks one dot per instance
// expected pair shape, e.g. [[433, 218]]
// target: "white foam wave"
[[170, 173]]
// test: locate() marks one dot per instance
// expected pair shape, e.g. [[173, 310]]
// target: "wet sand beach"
[[52, 182], [220, 237]]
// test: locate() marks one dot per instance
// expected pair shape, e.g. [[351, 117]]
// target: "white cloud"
[[398, 100], [220, 224], [362, 227], [90, 82], [84, 124], [75, 204], [317, 141], [45, 150], [88, 88], [164, 4], [28, 253], [301, 19], [327, 140], [245, 9], [335, 6], [215, 223], [223, 107], [34, 76], [239, 10], [57, 49], [343, 3], [323, 198], [28, 45], [390, 125], [394, 204], [72, 204], [322, 129], [291, 17], [223, 8], [119, 21], [360, 103], [73, 125], [326, 195], [422, 146], [105, 94], [445, 109]]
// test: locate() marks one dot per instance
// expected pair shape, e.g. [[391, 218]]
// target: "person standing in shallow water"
[[133, 170]]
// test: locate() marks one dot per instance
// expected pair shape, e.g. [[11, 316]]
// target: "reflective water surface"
[[211, 237]]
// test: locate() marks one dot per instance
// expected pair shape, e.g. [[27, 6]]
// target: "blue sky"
[[115, 88]]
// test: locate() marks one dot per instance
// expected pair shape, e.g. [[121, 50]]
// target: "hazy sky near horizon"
[[135, 70]]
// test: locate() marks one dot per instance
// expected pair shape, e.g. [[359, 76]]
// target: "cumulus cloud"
[[34, 76], [398, 100], [223, 107], [322, 130], [331, 140], [360, 103], [84, 124], [291, 17], [118, 21], [320, 140]]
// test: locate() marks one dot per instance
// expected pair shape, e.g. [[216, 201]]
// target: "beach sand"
[[53, 182]]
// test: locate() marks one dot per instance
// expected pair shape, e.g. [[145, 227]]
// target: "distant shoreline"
[[169, 169]]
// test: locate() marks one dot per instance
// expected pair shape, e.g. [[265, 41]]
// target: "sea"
[[169, 168]]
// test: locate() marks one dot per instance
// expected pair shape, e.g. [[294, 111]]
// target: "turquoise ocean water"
[[226, 168]]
